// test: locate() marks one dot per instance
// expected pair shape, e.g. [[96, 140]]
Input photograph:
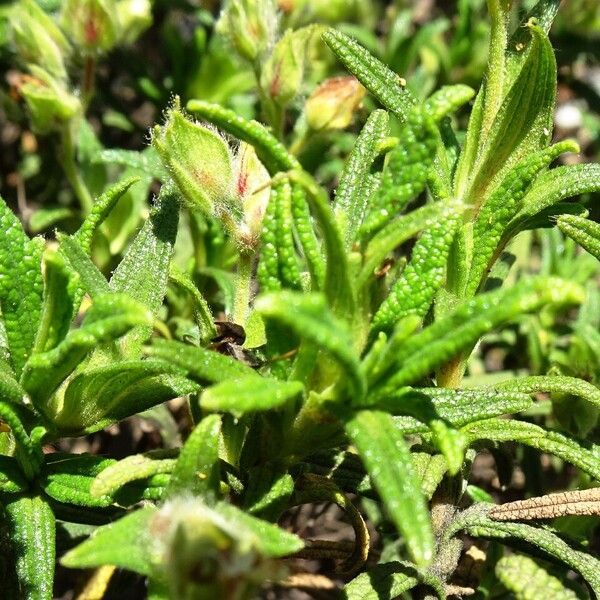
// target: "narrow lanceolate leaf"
[[144, 271], [91, 279], [32, 533], [555, 185], [19, 419], [502, 205], [401, 230], [197, 468], [270, 151], [526, 579], [109, 318], [267, 271], [60, 289], [103, 395], [553, 383], [447, 100], [523, 122], [202, 365], [387, 460], [460, 330], [139, 466], [308, 316], [416, 287], [250, 394], [306, 236], [10, 389], [12, 480], [405, 174], [127, 543], [338, 286], [457, 407], [550, 506], [202, 314], [100, 210], [585, 232], [21, 286], [350, 198], [383, 83], [476, 522], [552, 442], [147, 161]]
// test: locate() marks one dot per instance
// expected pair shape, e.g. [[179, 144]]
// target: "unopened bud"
[[250, 25], [91, 24], [333, 104], [38, 39], [200, 162], [50, 104], [135, 16]]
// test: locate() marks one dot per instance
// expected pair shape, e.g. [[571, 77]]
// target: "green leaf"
[[502, 205], [202, 365], [32, 533], [91, 279], [127, 543], [383, 83], [269, 539], [338, 286], [415, 289], [21, 286], [268, 492], [28, 452], [523, 123], [249, 394], [43, 218], [585, 232], [73, 489], [108, 318], [202, 314], [197, 468], [10, 389], [387, 460], [526, 579], [476, 522], [401, 230], [100, 210], [144, 271], [12, 480], [406, 172], [461, 329], [146, 161], [270, 151], [308, 317], [306, 236], [447, 100], [102, 395], [138, 466], [60, 289], [552, 383], [552, 442], [555, 185], [350, 203]]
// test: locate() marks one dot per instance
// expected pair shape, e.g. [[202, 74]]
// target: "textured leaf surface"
[[527, 580], [350, 195], [11, 476], [32, 531], [383, 83], [387, 460], [21, 286], [197, 468], [585, 232], [109, 318], [250, 395], [144, 271], [307, 315], [476, 522], [461, 329]]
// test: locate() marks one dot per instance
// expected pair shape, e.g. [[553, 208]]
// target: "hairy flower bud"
[[283, 72], [200, 162], [37, 38], [92, 24], [333, 103], [250, 25], [50, 104]]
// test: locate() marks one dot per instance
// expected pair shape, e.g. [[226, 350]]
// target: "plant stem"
[[71, 170], [242, 288], [87, 87]]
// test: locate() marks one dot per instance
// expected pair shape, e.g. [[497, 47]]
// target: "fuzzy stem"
[[69, 165]]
